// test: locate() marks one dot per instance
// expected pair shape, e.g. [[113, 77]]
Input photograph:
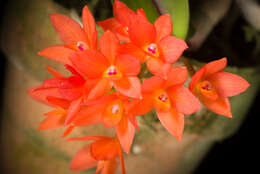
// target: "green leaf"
[[148, 5], [179, 11]]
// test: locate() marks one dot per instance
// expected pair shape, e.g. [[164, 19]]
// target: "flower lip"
[[115, 109], [206, 85], [81, 45], [112, 72], [163, 97], [206, 89], [152, 49]]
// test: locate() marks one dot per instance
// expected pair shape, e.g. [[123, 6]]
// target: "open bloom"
[[170, 99], [67, 95], [154, 43], [101, 153], [109, 68], [119, 24], [213, 87], [113, 110], [75, 37]]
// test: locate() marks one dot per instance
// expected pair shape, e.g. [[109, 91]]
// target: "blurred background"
[[218, 28]]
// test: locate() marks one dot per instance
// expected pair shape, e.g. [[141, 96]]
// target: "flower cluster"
[[107, 85]]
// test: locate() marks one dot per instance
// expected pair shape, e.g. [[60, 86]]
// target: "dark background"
[[238, 153]]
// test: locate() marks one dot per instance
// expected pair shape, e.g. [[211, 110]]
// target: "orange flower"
[[109, 68], [101, 153], [153, 43], [67, 95], [170, 99], [213, 87], [114, 111], [120, 23], [73, 35]]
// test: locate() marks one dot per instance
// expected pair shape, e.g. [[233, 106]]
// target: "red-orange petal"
[[40, 94], [152, 84], [163, 26], [158, 67], [53, 121], [196, 78], [110, 166], [184, 100], [89, 115], [128, 65], [173, 122], [109, 24], [105, 149], [58, 53], [73, 110], [143, 106], [58, 102], [129, 48], [68, 29], [142, 32], [220, 106], [141, 13], [177, 76], [90, 63], [215, 66], [228, 84], [129, 86], [89, 27], [171, 48], [125, 132], [122, 13], [101, 88], [83, 160], [108, 44]]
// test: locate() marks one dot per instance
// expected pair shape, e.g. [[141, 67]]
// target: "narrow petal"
[[215, 66], [109, 24], [95, 62], [163, 26], [58, 102], [67, 131], [158, 67], [128, 65], [40, 94], [128, 48], [73, 110], [88, 115], [125, 132], [122, 13], [132, 119], [220, 106], [108, 44], [83, 160], [89, 27], [177, 76], [52, 122], [71, 93], [171, 48], [173, 122], [152, 84], [101, 88], [228, 84], [58, 53], [54, 72], [105, 149], [141, 12], [184, 100], [196, 78], [129, 86], [68, 29], [143, 106], [110, 166], [141, 32]]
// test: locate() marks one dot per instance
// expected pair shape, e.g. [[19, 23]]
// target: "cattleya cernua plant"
[[107, 85]]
